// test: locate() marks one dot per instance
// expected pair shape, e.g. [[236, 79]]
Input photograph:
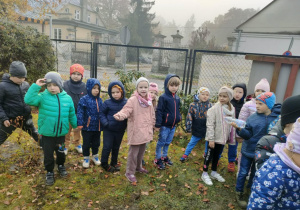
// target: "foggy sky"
[[181, 10]]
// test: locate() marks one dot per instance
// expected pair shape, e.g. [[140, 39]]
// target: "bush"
[[25, 44]]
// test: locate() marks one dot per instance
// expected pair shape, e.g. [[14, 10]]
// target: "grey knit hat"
[[54, 77], [141, 79], [17, 69]]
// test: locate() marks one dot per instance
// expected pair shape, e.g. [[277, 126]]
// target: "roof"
[[278, 17]]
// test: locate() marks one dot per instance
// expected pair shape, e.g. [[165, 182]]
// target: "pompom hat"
[[263, 85]]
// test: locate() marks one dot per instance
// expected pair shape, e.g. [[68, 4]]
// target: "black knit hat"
[[290, 110], [17, 69], [243, 86]]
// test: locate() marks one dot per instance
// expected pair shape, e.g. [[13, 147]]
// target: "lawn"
[[22, 180]]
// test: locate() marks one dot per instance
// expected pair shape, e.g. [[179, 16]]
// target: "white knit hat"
[[141, 79], [203, 89]]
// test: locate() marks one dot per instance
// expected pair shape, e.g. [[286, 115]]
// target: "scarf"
[[76, 87], [143, 102]]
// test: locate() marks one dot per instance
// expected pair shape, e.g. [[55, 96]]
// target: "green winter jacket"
[[55, 111]]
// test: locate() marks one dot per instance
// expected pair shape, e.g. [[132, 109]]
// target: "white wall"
[[267, 43]]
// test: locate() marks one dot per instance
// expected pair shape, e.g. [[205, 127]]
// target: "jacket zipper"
[[167, 117], [58, 116], [98, 112], [175, 111], [22, 99]]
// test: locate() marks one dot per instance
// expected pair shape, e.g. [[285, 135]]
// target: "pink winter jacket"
[[248, 109], [141, 121]]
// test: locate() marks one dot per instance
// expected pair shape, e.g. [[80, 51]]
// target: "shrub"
[[25, 44]]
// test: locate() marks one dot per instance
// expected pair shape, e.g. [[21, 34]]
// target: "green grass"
[[177, 187]]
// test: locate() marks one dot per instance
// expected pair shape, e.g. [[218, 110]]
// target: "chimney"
[[83, 4]]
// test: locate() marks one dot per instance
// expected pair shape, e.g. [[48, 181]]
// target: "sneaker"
[[130, 177], [79, 148], [66, 151], [142, 171], [86, 162], [240, 200], [159, 164], [230, 167], [184, 158], [108, 168], [96, 160], [49, 178], [62, 171], [167, 161], [117, 167], [206, 179], [217, 176]]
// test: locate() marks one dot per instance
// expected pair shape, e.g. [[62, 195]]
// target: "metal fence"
[[196, 68]]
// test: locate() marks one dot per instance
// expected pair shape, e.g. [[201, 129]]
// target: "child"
[[141, 119], [167, 116], [88, 114], [13, 110], [290, 111], [239, 94], [196, 120], [153, 90], [218, 133], [76, 89], [276, 184], [56, 111], [256, 127], [113, 130]]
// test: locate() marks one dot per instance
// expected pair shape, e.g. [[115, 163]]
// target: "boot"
[[240, 201]]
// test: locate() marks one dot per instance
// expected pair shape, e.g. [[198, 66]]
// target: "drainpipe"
[[238, 40]]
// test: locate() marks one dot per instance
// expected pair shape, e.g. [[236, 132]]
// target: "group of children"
[[72, 104]]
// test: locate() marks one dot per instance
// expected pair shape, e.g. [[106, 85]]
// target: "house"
[[273, 30], [72, 20]]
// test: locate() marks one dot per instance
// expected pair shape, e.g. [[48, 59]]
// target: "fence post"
[[138, 58], [93, 73], [188, 72], [192, 73], [184, 71]]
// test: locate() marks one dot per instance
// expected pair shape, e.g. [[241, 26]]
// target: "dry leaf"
[[56, 201], [112, 185], [230, 205], [198, 193], [144, 193], [187, 186], [167, 180], [182, 149], [9, 193], [151, 190], [73, 181], [19, 192], [205, 200], [89, 205], [227, 186], [194, 153], [6, 202], [97, 202], [70, 188], [190, 194], [170, 176], [133, 183], [163, 185], [106, 176]]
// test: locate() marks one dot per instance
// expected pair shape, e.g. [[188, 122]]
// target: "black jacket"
[[12, 102], [76, 90], [239, 104], [265, 146]]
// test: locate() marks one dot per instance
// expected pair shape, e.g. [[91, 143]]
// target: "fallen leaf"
[[194, 153], [70, 188], [163, 185], [187, 186], [6, 202], [33, 201], [176, 175], [170, 176], [182, 149], [73, 181], [201, 186], [227, 186], [151, 190], [56, 201], [19, 192], [198, 193], [190, 194], [230, 205], [167, 180], [144, 193], [133, 183], [106, 176], [9, 193], [112, 185], [205, 200], [89, 205], [97, 202]]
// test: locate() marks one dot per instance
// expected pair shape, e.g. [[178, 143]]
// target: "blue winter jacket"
[[275, 186], [110, 107], [88, 111], [167, 112], [256, 127]]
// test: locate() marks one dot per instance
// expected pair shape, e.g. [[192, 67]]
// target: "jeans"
[[246, 164], [194, 140], [164, 140], [232, 152]]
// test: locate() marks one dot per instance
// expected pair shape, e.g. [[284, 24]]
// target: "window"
[[89, 18], [57, 33], [77, 15], [67, 10]]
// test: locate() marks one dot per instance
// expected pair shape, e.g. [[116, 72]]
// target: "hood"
[[244, 87], [276, 109], [110, 87], [277, 130], [168, 77], [90, 84], [5, 78]]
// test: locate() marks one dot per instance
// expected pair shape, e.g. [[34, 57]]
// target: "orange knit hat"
[[76, 68]]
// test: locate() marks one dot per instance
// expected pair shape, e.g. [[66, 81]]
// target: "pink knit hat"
[[153, 86], [263, 85]]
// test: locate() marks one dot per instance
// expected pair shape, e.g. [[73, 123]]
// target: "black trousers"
[[26, 125], [51, 144], [213, 154], [111, 144], [91, 139]]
